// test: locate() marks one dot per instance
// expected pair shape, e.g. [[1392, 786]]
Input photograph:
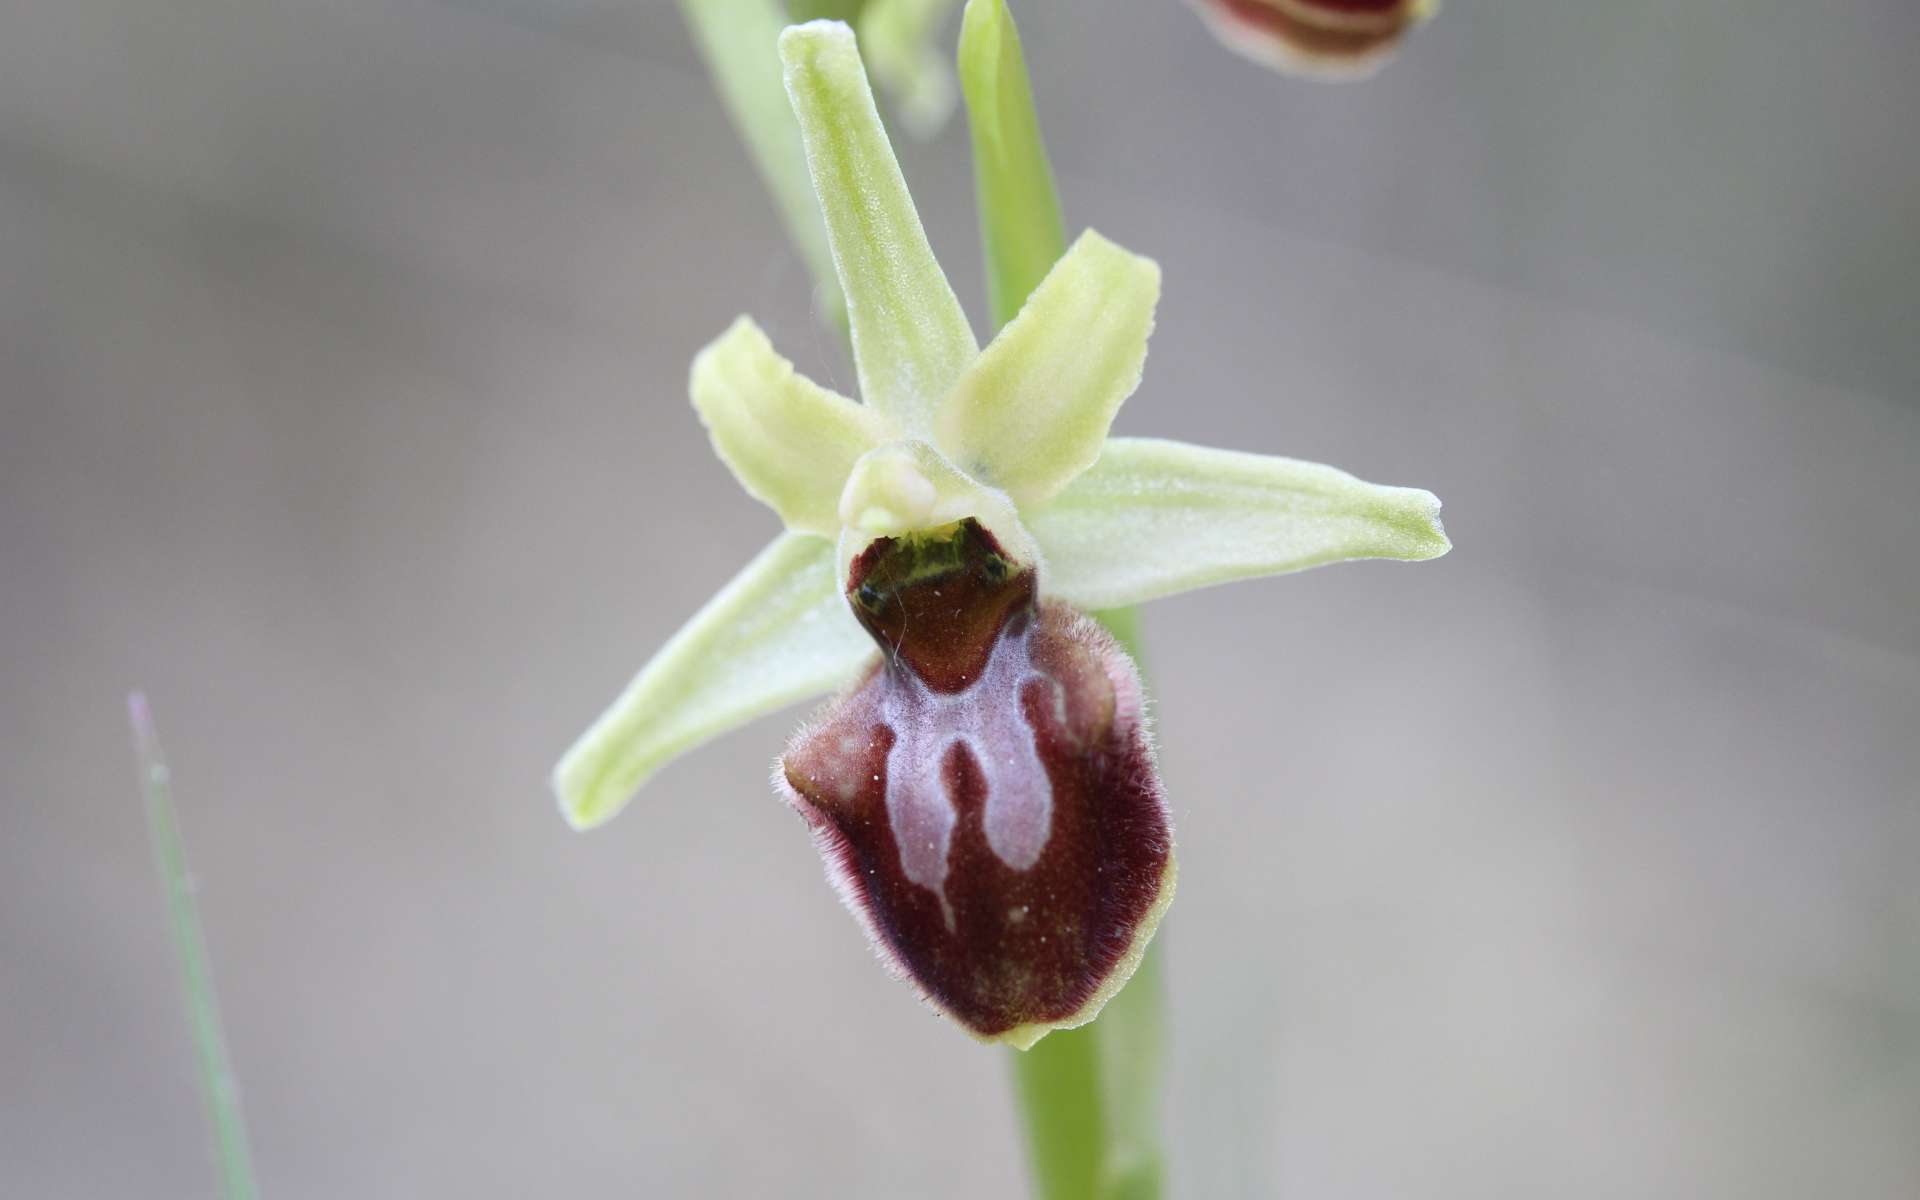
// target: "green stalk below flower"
[[1088, 1097]]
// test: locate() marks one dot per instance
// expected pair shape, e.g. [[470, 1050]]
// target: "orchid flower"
[[983, 789], [1321, 39]]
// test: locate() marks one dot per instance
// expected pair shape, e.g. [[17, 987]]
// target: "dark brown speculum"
[[986, 799]]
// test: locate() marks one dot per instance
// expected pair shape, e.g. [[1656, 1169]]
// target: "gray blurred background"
[[342, 406]]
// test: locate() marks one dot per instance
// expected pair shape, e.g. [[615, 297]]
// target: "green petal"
[[738, 40], [1013, 183], [778, 633], [910, 338], [898, 37], [1155, 517], [789, 441], [1033, 412]]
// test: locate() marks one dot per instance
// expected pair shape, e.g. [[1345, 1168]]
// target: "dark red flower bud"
[[1333, 38], [986, 800]]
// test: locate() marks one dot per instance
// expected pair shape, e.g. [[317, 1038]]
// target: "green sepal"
[[911, 340], [777, 634], [1156, 517]]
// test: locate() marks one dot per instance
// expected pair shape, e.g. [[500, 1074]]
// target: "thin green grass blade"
[[189, 943]]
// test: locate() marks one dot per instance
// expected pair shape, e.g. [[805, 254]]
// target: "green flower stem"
[[1020, 227], [190, 945], [825, 10], [739, 40], [1089, 1097], [1086, 1098]]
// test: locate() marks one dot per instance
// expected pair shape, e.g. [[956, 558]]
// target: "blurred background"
[[342, 406]]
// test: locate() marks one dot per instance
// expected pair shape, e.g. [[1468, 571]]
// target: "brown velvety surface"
[[996, 944]]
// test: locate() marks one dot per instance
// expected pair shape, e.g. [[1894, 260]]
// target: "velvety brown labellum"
[[1326, 37], [986, 799]]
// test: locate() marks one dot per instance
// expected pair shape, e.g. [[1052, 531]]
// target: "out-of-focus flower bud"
[[1324, 39]]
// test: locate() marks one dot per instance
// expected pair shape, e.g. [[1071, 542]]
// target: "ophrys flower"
[[984, 792]]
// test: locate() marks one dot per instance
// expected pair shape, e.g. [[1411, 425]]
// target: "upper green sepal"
[[910, 338]]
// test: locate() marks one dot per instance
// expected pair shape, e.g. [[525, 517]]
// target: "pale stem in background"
[[740, 41]]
